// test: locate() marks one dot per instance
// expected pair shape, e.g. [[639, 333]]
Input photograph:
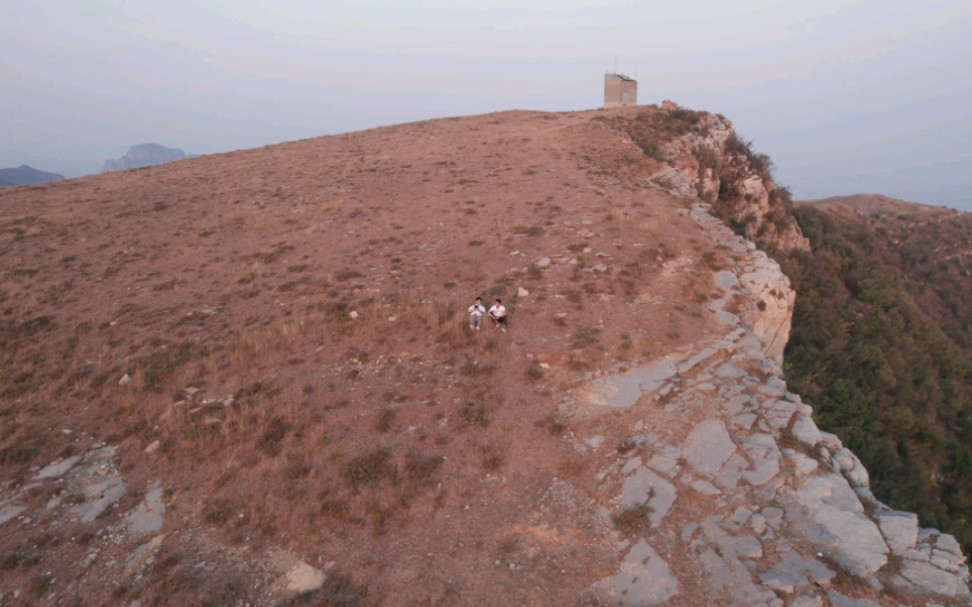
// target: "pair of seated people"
[[477, 311]]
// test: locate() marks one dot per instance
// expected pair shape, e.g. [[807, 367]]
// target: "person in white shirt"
[[476, 313], [498, 314]]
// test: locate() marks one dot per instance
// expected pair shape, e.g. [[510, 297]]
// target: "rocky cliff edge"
[[748, 502]]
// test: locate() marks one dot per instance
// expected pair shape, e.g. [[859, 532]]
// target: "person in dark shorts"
[[498, 314]]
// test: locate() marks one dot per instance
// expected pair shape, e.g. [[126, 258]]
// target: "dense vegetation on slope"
[[881, 346]]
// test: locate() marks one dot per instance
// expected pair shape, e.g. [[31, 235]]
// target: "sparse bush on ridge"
[[761, 164]]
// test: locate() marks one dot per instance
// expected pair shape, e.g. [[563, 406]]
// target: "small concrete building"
[[620, 90]]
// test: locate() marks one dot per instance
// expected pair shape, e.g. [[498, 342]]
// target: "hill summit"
[[262, 389]]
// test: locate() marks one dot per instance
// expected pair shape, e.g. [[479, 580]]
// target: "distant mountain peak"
[[25, 175], [144, 155]]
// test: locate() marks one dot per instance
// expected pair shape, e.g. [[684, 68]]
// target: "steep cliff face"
[[144, 155]]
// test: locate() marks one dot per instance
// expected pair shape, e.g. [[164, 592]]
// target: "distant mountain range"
[[144, 155], [25, 175]]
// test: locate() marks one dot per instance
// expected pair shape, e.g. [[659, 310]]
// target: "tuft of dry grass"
[[475, 414], [272, 438], [553, 425], [633, 520], [368, 469], [473, 369], [385, 420]]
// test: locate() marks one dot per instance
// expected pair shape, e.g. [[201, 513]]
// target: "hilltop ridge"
[[260, 389], [875, 204]]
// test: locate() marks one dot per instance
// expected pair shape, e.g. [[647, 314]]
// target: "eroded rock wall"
[[722, 169], [766, 289]]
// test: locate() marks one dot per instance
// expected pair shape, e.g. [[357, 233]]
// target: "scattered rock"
[[839, 600], [705, 487], [58, 469], [521, 292], [595, 442], [138, 559], [644, 578], [98, 482], [303, 578], [762, 450], [149, 515], [807, 601], [628, 388], [646, 487], [9, 512], [795, 572], [802, 464], [833, 518], [936, 565], [708, 447], [805, 431], [125, 380], [900, 529], [543, 262]]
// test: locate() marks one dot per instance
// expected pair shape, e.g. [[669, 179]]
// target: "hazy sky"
[[845, 96]]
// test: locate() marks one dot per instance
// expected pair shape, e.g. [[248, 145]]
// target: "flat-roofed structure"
[[620, 90]]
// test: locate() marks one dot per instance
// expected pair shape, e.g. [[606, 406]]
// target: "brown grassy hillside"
[[292, 321]]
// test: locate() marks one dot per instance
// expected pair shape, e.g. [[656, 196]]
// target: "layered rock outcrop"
[[724, 171]]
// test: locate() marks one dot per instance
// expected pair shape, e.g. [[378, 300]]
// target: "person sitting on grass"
[[498, 314], [476, 313]]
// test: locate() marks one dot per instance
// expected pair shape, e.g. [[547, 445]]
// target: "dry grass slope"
[[292, 321]]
